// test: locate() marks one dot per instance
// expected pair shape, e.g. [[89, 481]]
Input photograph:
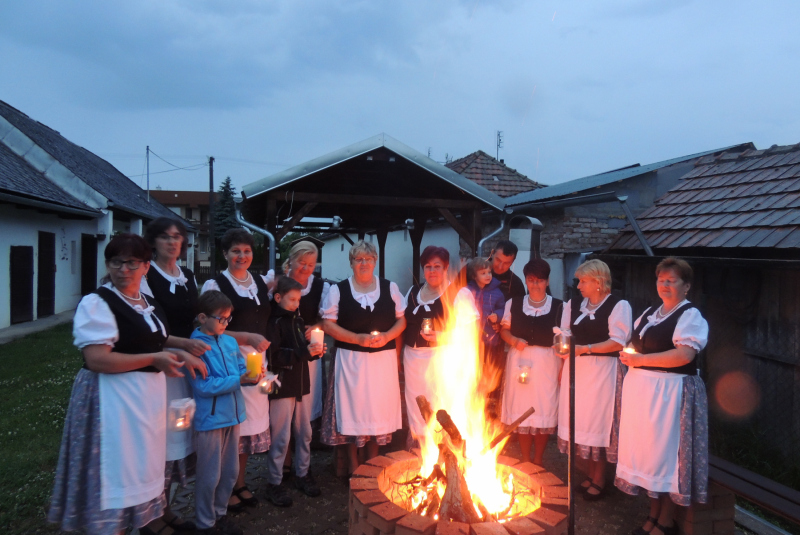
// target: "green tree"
[[225, 209]]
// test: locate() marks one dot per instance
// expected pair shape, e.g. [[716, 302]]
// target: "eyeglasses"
[[433, 267], [221, 320], [170, 237], [364, 260], [132, 265]]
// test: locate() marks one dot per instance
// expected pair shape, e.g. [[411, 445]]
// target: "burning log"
[[448, 425], [508, 430], [457, 502], [424, 408]]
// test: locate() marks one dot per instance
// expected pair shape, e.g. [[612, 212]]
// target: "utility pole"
[[148, 173], [499, 144], [211, 239]]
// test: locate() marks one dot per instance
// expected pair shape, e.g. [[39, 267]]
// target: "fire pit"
[[457, 482]]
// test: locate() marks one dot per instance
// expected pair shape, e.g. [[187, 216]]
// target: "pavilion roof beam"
[[462, 231], [375, 200], [294, 220]]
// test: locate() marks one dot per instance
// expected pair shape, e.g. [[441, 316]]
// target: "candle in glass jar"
[[427, 326], [254, 364], [375, 333], [524, 374], [629, 350], [317, 336]]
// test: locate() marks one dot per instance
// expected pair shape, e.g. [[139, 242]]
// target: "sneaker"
[[276, 495], [226, 526], [307, 485]]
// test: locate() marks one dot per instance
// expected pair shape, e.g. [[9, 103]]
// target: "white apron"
[[256, 404], [367, 390], [315, 379], [595, 388], [540, 392], [415, 366], [133, 427], [649, 430], [179, 443]]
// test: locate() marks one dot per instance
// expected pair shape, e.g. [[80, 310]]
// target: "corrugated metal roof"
[[747, 199], [362, 147], [602, 179]]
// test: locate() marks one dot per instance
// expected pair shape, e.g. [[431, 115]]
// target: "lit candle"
[[375, 333], [524, 373], [265, 387], [629, 350], [427, 326], [180, 413], [317, 336], [254, 364], [180, 422]]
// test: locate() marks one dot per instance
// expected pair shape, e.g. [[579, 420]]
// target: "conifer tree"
[[225, 209]]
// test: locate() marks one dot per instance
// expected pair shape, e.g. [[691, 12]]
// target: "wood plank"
[[376, 200], [462, 231], [295, 219]]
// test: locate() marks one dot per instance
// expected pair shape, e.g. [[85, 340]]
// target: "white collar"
[[654, 319], [180, 280], [529, 310], [585, 309], [252, 290], [146, 312]]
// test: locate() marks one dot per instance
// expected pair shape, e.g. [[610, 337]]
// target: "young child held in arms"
[[220, 410], [483, 291], [290, 408]]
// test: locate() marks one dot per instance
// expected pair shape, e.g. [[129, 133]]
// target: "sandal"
[[672, 530], [237, 507], [144, 530], [641, 531], [252, 501], [179, 524], [583, 485], [589, 497]]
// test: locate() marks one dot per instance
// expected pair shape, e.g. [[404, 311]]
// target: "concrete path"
[[31, 327]]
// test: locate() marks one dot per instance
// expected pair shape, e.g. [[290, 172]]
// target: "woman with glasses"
[[425, 315], [364, 314], [110, 473], [175, 289], [250, 297]]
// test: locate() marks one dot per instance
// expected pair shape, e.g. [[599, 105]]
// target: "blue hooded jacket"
[[219, 397], [489, 300]]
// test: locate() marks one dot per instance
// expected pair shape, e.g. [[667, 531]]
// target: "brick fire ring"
[[371, 512]]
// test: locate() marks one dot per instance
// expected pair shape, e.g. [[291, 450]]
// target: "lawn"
[[37, 374]]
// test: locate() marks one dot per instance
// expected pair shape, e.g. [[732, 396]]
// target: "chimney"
[[502, 161]]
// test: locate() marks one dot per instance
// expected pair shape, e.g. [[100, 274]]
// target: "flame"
[[461, 389]]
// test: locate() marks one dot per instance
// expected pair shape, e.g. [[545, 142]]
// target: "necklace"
[[137, 298], [537, 304], [429, 292], [244, 280]]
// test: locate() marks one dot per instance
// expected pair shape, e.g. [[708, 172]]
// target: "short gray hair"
[[364, 247]]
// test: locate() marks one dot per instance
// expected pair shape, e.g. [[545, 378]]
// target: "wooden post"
[[382, 234], [416, 241]]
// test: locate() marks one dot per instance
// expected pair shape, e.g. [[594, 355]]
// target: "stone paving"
[[616, 514]]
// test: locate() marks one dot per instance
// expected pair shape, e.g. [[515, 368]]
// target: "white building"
[[59, 206]]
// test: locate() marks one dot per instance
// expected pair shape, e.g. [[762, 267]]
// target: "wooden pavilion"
[[371, 186]]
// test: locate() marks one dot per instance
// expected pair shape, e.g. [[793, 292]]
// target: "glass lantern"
[[561, 343], [180, 414], [270, 384], [427, 326], [524, 374]]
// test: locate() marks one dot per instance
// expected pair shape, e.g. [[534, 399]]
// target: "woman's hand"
[[192, 364], [168, 362], [520, 344], [260, 343], [317, 349], [631, 360], [378, 340], [364, 339], [430, 337], [581, 350], [246, 379], [196, 347]]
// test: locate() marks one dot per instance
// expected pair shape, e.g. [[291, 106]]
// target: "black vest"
[[361, 320], [309, 303], [658, 338], [248, 316], [180, 307], [412, 336], [538, 330], [135, 336], [592, 331]]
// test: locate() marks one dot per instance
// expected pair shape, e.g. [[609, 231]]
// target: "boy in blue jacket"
[[220, 410]]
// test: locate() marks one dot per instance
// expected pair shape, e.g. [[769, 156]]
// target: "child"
[[220, 410], [290, 408]]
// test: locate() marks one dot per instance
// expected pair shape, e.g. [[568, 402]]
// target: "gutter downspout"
[[240, 218], [634, 224], [493, 234]]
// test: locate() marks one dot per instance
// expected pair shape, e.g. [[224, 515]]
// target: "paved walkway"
[[31, 327]]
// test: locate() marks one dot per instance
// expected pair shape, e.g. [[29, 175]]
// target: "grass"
[[36, 375]]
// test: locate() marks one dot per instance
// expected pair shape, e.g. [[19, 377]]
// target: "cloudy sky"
[[577, 87]]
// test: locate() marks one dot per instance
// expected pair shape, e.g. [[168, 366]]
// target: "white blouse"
[[250, 292], [691, 330], [420, 302], [95, 324], [174, 281], [619, 321], [329, 309], [527, 309], [269, 278]]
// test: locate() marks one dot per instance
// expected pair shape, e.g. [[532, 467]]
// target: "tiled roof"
[[594, 181], [492, 174], [735, 200], [90, 168], [17, 177]]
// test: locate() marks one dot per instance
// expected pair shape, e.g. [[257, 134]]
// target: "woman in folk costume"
[[663, 432], [250, 297], [364, 314], [110, 473], [601, 325], [527, 326]]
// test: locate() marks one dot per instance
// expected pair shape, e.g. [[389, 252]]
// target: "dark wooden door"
[[88, 264], [46, 278], [21, 279]]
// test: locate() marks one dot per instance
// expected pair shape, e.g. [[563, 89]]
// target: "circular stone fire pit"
[[372, 512]]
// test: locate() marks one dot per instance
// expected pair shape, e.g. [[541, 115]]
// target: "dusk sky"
[[577, 88]]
